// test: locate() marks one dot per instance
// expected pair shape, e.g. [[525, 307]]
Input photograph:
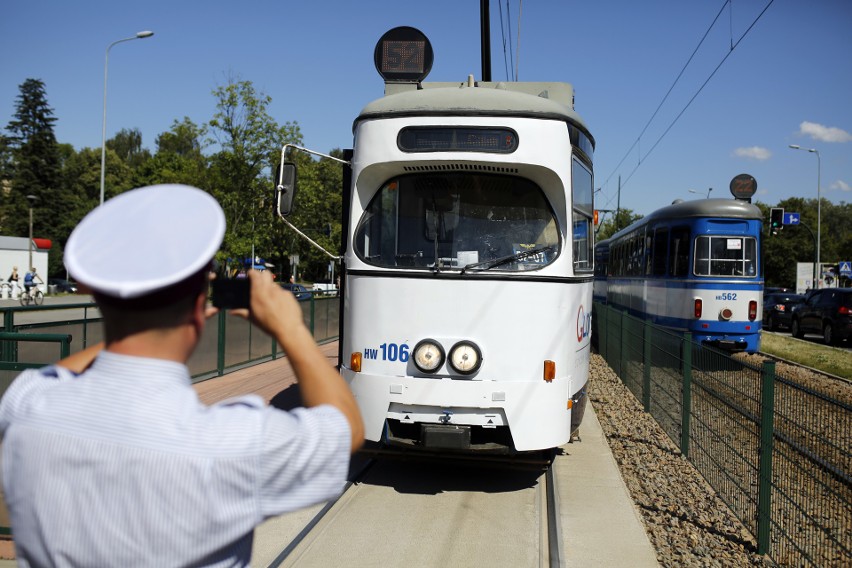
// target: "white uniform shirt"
[[124, 466]]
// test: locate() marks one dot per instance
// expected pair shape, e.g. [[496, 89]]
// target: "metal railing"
[[228, 343], [776, 451]]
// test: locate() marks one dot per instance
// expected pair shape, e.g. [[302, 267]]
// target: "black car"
[[63, 285], [828, 312], [298, 290], [776, 290], [778, 309]]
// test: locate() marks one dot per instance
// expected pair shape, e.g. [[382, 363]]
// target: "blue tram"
[[691, 266]]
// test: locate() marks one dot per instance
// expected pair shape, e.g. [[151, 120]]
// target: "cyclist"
[[29, 280]]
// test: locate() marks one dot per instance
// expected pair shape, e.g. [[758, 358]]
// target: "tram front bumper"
[[536, 413]]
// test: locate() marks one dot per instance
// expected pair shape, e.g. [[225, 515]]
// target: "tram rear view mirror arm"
[[285, 190]]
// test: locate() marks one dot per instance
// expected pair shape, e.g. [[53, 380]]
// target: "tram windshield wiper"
[[494, 263]]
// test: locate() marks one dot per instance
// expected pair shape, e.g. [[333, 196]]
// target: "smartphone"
[[231, 293]]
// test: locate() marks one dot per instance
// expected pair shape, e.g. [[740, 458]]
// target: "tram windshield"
[[725, 256], [458, 221]]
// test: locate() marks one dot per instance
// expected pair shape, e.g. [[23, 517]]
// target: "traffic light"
[[776, 219]]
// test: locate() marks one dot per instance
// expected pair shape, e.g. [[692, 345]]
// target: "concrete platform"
[[600, 523]]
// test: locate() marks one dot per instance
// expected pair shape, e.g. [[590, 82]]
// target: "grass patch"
[[827, 359]]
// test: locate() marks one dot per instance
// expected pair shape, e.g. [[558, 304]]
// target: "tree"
[[248, 142], [185, 138], [796, 243], [318, 213], [179, 158], [620, 220], [81, 175], [35, 170], [5, 161], [127, 145]]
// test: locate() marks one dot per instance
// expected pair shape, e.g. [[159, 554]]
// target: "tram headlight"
[[428, 356], [465, 357]]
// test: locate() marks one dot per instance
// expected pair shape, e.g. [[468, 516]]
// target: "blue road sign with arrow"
[[791, 218]]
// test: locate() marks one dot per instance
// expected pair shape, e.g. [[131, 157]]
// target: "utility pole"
[[618, 206], [485, 39]]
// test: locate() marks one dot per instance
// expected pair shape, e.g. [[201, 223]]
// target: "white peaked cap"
[[145, 240]]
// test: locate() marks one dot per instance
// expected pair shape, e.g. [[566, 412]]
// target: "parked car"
[[778, 309], [828, 312], [300, 291], [63, 285], [325, 288], [775, 290]]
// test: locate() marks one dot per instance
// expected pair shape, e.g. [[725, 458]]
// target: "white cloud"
[[753, 153], [841, 185], [824, 133]]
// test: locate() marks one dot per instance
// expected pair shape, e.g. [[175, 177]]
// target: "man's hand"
[[277, 312]]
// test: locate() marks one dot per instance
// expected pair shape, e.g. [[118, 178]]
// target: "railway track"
[[423, 511]]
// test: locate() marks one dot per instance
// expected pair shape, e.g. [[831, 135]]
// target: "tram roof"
[[550, 101], [717, 207]]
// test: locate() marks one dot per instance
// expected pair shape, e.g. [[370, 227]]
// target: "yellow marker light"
[[549, 370], [355, 361]]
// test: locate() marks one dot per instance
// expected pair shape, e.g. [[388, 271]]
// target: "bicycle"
[[35, 296]]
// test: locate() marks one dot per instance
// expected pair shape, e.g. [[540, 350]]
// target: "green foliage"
[[31, 165], [179, 158], [620, 220], [127, 145], [248, 141], [184, 139], [318, 213], [797, 243]]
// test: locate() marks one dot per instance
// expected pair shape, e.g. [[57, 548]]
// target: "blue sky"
[[788, 81]]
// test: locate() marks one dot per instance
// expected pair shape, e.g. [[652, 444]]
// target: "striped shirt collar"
[[148, 369]]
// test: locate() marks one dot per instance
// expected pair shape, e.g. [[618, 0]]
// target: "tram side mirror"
[[285, 191]]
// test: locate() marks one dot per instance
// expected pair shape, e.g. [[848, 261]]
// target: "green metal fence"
[[228, 342], [776, 451]]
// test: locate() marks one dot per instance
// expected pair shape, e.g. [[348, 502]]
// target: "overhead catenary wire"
[[506, 31], [518, 46], [666, 96], [688, 104], [503, 36]]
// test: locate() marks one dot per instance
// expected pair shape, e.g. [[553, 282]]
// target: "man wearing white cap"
[[110, 459]]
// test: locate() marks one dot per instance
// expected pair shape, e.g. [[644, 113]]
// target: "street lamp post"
[[699, 193], [32, 199], [139, 35], [819, 208]]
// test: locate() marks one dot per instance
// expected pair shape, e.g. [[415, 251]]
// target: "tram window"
[[581, 181], [725, 256], [679, 252], [447, 221], [660, 247]]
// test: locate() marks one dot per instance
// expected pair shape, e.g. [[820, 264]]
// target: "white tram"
[[467, 275]]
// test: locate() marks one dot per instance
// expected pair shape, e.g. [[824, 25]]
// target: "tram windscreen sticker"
[[537, 258]]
